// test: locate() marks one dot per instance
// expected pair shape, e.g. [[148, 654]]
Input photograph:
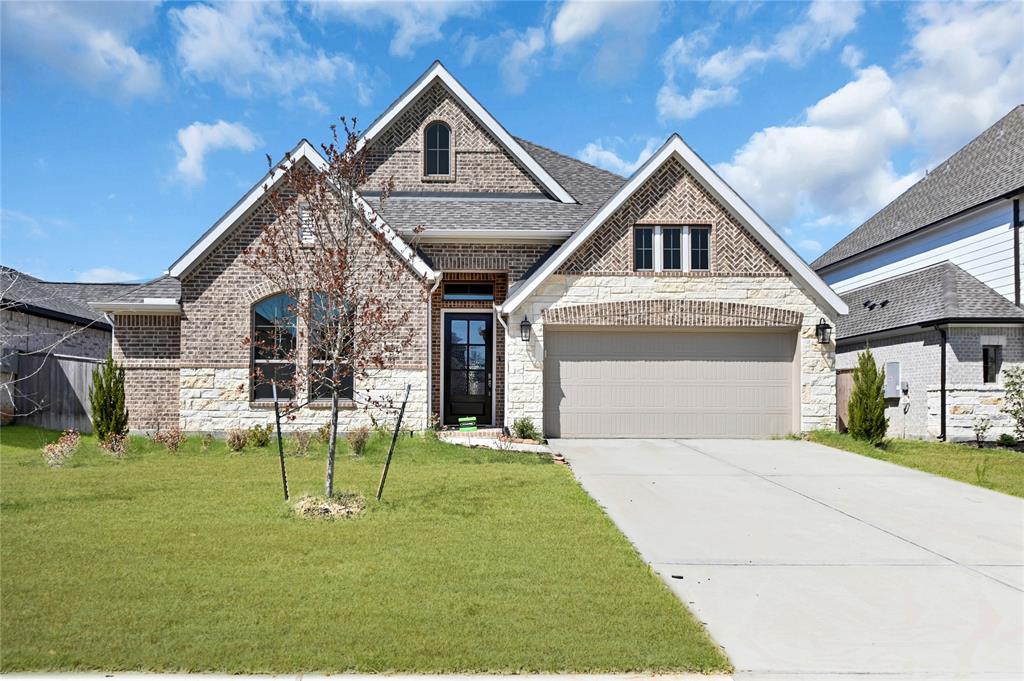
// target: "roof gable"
[[304, 150], [676, 148], [989, 167], [438, 74]]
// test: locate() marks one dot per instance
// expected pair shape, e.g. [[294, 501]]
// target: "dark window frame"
[[314, 387], [647, 249], [260, 391], [991, 363], [464, 291], [433, 151], [704, 252], [666, 249]]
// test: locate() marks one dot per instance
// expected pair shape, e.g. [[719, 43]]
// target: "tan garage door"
[[608, 382]]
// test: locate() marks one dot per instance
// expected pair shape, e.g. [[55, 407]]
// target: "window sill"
[[438, 178], [318, 404]]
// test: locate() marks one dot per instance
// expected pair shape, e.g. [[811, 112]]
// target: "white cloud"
[[253, 48], [851, 57], [199, 139], [87, 42], [622, 31], [416, 23], [604, 153], [579, 19], [817, 30], [809, 246], [105, 275], [520, 60]]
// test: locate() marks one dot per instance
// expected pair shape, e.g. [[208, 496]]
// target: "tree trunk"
[[332, 445]]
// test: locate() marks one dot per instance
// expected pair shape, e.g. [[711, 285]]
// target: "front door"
[[469, 362]]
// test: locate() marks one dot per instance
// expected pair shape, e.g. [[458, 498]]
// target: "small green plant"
[[323, 433], [357, 439], [205, 441], [106, 399], [981, 471], [57, 453], [1013, 405], [982, 425], [115, 445], [259, 436], [237, 437], [1006, 440], [300, 441], [523, 429], [867, 403]]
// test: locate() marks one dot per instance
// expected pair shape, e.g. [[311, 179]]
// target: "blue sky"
[[128, 128]]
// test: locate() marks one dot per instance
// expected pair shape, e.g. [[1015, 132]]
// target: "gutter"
[[971, 321], [1016, 252], [942, 382], [147, 306], [46, 313], [498, 314], [430, 346]]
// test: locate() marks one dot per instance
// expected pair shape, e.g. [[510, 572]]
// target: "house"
[[42, 319], [660, 305], [933, 283]]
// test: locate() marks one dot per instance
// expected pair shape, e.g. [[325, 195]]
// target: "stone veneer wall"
[[525, 379], [480, 163], [965, 405], [148, 346]]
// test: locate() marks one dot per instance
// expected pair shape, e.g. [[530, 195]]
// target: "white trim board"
[[304, 150], [437, 71], [676, 148]]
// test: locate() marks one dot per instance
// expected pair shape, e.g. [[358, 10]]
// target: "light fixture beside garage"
[[823, 331], [524, 329]]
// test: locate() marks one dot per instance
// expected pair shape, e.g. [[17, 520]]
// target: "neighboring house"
[[43, 318], [658, 306], [933, 282]]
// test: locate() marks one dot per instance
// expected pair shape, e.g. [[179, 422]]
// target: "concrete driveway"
[[802, 559]]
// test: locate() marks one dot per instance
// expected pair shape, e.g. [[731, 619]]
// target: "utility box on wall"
[[892, 381]]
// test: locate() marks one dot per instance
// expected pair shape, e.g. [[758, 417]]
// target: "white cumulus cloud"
[[106, 275], [673, 104], [199, 139], [520, 60], [87, 42], [605, 153]]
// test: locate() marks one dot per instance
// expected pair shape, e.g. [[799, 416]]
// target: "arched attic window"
[[437, 150], [274, 331]]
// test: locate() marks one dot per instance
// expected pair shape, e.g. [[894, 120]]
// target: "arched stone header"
[[686, 313]]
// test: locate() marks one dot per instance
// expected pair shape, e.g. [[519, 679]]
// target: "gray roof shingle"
[[990, 166], [931, 294], [161, 287], [63, 300], [590, 186]]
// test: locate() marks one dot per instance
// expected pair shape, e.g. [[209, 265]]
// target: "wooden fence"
[[52, 391]]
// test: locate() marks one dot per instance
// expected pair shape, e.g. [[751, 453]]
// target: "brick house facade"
[[519, 241]]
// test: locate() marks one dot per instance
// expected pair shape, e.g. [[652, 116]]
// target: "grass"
[[993, 468], [475, 561]]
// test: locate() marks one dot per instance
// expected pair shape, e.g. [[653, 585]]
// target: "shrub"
[[205, 441], [323, 433], [867, 403], [106, 398], [58, 452], [1006, 440], [237, 437], [259, 436], [301, 441], [171, 438], [1013, 381], [982, 424], [115, 444], [524, 429], [357, 439]]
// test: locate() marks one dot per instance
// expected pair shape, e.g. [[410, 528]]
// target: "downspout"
[[1016, 252], [504, 393], [430, 346], [942, 383]]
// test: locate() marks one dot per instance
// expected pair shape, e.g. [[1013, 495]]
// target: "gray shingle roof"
[[589, 185], [63, 300], [990, 166], [931, 294], [161, 287]]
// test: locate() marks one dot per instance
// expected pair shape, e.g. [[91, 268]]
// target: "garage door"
[[660, 383]]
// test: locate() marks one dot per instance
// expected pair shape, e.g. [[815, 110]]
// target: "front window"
[[643, 248], [330, 336], [437, 149], [468, 291], [672, 248], [991, 358], [273, 347], [700, 248]]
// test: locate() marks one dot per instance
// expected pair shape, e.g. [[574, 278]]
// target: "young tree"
[[1013, 381], [106, 396], [345, 274], [867, 403]]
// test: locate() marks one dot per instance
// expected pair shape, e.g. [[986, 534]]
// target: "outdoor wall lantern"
[[823, 331], [524, 330]]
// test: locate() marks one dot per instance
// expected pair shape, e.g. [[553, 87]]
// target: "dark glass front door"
[[468, 357]]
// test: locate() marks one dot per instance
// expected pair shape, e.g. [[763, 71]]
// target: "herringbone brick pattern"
[[673, 196], [677, 313]]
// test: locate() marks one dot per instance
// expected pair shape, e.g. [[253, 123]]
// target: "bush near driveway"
[[476, 561]]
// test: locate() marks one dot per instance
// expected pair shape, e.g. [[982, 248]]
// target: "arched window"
[[273, 347], [437, 149]]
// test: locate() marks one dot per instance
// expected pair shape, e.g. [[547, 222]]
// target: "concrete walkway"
[[805, 560]]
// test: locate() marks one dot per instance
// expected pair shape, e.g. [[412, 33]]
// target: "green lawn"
[[476, 561], [994, 468]]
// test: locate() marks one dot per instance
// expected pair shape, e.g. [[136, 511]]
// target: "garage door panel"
[[644, 383]]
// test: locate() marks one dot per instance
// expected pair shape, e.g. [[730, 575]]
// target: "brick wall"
[[149, 348], [28, 333], [480, 163], [673, 196], [512, 258], [438, 305]]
